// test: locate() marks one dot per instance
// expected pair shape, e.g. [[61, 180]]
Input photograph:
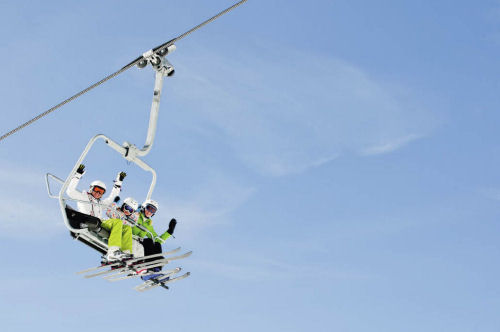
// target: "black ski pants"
[[150, 248]]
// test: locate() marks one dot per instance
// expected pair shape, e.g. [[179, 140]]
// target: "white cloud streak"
[[27, 212], [291, 111], [491, 193], [211, 204], [274, 269], [390, 146]]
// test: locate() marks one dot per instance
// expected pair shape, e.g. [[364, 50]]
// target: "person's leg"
[[158, 249], [148, 245], [126, 239], [150, 248], [115, 236]]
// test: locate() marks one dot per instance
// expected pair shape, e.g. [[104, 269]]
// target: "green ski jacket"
[[148, 224]]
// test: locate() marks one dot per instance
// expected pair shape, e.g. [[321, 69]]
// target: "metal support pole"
[[161, 70]]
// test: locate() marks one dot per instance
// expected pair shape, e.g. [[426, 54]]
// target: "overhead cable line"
[[159, 49]]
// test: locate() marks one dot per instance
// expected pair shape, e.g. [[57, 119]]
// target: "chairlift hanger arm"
[[159, 50]]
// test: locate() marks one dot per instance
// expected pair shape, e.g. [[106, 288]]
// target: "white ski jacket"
[[94, 207]]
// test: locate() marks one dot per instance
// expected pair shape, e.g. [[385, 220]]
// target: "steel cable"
[[130, 65]]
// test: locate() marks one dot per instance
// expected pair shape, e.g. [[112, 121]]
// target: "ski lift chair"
[[86, 228]]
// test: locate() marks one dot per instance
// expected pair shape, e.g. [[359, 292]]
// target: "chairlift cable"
[[130, 65]]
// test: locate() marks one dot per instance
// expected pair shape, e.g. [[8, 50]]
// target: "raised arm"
[[73, 183], [170, 231], [117, 187]]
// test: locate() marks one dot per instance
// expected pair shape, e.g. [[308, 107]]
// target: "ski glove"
[[80, 169], [121, 176], [117, 199], [119, 179], [171, 226]]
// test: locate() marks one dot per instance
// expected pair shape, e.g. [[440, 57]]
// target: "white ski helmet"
[[131, 202], [150, 202], [97, 183]]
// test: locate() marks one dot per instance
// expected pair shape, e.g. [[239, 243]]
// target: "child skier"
[[151, 241], [120, 238]]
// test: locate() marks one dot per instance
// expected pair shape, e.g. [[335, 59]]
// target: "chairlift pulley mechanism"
[[157, 60]]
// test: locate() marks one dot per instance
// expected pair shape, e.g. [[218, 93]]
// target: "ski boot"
[[152, 274], [115, 254]]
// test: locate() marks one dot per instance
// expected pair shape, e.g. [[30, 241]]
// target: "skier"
[[120, 237], [150, 239], [89, 202]]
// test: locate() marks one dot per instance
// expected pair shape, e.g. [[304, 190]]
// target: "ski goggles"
[[98, 190], [151, 208], [128, 208]]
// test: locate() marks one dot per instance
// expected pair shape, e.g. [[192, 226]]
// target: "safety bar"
[[48, 184]]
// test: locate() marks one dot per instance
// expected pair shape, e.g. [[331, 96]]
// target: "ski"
[[135, 268], [128, 262], [159, 282], [128, 267], [135, 274], [140, 266]]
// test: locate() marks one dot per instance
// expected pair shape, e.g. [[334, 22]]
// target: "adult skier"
[[120, 237], [150, 239], [90, 202]]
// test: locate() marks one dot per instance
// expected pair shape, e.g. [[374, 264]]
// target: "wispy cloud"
[[18, 175], [491, 193], [271, 269], [291, 110], [26, 212], [389, 146], [211, 204], [24, 218], [27, 207]]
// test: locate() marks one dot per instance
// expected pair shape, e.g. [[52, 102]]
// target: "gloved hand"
[[117, 199], [171, 226], [119, 179], [81, 169]]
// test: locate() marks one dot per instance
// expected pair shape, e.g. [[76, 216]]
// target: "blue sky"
[[333, 165]]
